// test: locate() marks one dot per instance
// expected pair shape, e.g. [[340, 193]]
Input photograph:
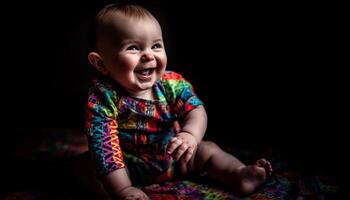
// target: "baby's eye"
[[157, 46], [132, 48]]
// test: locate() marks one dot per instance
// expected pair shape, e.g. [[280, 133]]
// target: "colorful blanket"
[[55, 149]]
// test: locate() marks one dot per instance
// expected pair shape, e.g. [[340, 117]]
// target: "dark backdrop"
[[268, 74]]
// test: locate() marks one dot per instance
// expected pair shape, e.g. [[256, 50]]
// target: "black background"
[[269, 74]]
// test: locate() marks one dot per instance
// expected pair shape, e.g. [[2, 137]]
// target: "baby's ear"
[[96, 60]]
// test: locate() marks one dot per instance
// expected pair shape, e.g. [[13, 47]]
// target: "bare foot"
[[251, 176], [265, 164]]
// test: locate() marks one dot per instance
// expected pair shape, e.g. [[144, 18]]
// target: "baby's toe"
[[268, 167], [261, 162]]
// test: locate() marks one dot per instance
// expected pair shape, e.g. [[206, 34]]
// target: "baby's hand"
[[182, 146], [131, 193]]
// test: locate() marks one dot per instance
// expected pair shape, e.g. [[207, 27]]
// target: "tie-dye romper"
[[125, 131]]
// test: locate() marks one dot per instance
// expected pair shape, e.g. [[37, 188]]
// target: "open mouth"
[[145, 72]]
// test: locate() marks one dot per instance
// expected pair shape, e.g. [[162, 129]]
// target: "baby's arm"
[[191, 134], [195, 123], [118, 185]]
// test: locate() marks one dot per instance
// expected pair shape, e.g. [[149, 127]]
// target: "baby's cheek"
[[128, 62], [160, 72]]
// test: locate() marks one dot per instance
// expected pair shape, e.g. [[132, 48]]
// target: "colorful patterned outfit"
[[128, 131]]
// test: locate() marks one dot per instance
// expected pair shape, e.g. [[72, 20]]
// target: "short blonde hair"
[[102, 23]]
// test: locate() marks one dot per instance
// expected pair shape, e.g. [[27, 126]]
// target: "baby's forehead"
[[118, 27]]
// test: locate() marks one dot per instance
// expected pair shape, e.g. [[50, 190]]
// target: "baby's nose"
[[147, 56]]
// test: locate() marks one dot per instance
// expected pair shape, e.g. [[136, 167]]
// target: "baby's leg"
[[225, 168]]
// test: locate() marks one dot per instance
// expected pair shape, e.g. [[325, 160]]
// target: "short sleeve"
[[180, 92], [101, 129]]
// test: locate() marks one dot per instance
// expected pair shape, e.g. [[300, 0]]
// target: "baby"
[[146, 124]]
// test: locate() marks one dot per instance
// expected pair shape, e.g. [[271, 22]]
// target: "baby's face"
[[136, 57]]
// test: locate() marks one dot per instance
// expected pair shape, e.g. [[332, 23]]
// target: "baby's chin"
[[145, 86]]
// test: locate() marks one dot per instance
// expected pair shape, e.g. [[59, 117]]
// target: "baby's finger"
[[181, 150], [188, 154], [174, 143]]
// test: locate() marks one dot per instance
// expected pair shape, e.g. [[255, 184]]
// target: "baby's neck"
[[146, 94]]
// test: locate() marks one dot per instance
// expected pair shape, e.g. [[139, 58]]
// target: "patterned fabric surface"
[[61, 146], [123, 129]]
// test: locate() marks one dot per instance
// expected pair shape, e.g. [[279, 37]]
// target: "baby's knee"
[[208, 147]]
